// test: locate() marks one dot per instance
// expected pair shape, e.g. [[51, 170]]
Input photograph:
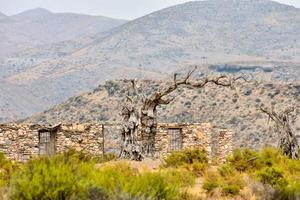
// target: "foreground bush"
[[58, 177], [243, 160], [82, 156], [194, 160], [188, 156], [7, 167], [272, 176], [125, 181], [227, 179], [74, 175], [268, 166], [104, 158]]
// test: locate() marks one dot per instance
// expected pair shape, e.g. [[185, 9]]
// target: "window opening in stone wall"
[[112, 142], [175, 139], [47, 142]]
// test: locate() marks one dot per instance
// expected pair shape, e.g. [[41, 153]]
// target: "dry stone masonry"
[[224, 144], [22, 142], [173, 137]]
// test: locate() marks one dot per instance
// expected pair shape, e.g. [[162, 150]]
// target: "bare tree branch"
[[288, 141], [142, 118]]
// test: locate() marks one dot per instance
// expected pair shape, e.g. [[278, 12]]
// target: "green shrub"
[[73, 175], [188, 156], [230, 184], [243, 160], [231, 189], [104, 158], [270, 156], [7, 167], [291, 191], [210, 185], [226, 170], [58, 177], [196, 168], [153, 185], [227, 178], [96, 193], [284, 181], [126, 182], [180, 176], [230, 174], [114, 177], [291, 169], [212, 180], [271, 176], [83, 156], [270, 166]]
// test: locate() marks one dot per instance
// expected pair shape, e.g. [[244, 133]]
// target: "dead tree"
[[131, 121], [287, 139], [140, 113]]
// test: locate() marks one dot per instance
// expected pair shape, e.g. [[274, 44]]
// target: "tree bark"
[[140, 113], [287, 139]]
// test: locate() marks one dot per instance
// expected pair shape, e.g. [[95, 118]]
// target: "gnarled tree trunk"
[[287, 141], [140, 114]]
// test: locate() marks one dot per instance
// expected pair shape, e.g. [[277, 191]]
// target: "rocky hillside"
[[253, 36], [225, 108], [39, 27], [205, 31]]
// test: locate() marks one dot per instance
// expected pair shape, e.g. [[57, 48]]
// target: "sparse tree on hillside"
[[287, 139], [140, 113]]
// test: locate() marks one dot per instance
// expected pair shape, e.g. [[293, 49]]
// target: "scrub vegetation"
[[265, 174]]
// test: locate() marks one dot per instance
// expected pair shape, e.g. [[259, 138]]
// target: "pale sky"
[[124, 9]]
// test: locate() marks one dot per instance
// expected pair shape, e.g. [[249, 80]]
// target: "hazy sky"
[[126, 9]]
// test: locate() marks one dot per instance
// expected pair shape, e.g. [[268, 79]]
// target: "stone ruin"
[[22, 142]]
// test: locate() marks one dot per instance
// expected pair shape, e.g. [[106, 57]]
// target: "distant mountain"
[[39, 27], [204, 32], [224, 36], [17, 101], [32, 14]]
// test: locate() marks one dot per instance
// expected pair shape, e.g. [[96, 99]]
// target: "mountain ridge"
[[39, 26], [239, 33], [35, 12]]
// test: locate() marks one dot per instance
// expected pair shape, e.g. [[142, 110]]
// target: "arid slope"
[[261, 34], [236, 109]]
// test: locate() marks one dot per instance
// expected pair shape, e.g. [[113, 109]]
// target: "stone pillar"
[[224, 144], [161, 141], [202, 137]]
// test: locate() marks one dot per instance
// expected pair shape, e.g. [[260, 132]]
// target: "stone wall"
[[81, 137], [193, 136], [224, 144], [23, 141], [19, 142]]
